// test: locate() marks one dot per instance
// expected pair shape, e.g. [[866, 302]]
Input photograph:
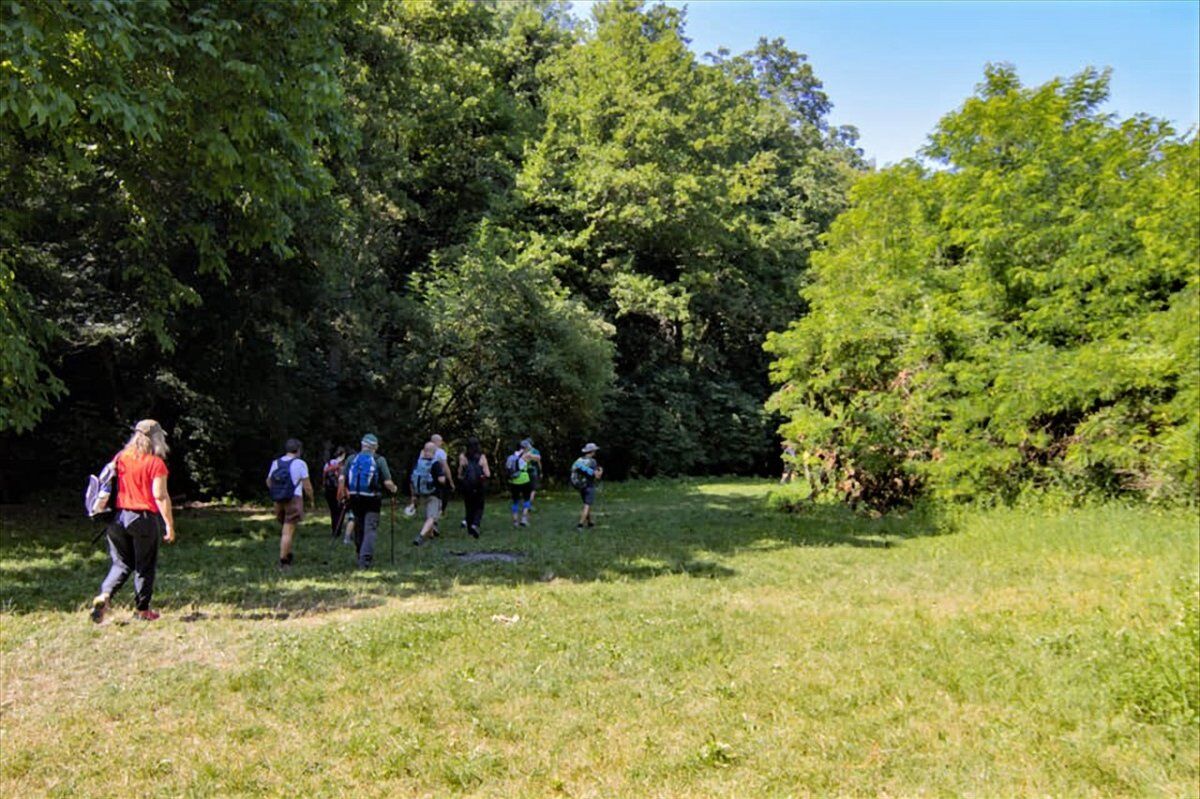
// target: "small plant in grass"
[[716, 754]]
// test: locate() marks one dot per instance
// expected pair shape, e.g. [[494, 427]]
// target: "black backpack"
[[472, 473], [332, 472]]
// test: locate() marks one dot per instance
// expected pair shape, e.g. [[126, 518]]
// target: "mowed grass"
[[694, 644]]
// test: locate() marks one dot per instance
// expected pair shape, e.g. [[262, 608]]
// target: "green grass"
[[694, 644]]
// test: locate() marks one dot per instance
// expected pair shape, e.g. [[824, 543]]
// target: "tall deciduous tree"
[[268, 219], [688, 198], [1024, 316], [143, 146]]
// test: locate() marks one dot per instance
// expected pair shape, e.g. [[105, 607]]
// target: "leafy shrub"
[[1024, 318]]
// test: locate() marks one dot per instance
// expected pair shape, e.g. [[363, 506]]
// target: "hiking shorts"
[[290, 511], [520, 492], [588, 494], [432, 505]]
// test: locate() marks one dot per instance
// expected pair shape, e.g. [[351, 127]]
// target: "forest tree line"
[[258, 220]]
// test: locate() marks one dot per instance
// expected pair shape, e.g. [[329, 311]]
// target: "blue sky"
[[893, 69]]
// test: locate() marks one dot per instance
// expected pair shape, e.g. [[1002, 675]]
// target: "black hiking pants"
[[133, 546], [473, 499], [335, 511]]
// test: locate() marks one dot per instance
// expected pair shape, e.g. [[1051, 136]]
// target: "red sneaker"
[[147, 615]]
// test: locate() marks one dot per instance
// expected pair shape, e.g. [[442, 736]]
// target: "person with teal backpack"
[[361, 483], [584, 474]]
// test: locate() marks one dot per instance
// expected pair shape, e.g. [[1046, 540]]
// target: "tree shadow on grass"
[[224, 564]]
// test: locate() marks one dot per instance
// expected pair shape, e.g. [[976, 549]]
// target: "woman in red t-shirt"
[[142, 499]]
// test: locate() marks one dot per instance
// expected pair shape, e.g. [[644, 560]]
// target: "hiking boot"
[[524, 522], [463, 523], [418, 540], [579, 526], [591, 523], [99, 608], [474, 531], [146, 615]]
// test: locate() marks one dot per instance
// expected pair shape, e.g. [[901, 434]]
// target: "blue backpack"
[[362, 478], [280, 484], [422, 477]]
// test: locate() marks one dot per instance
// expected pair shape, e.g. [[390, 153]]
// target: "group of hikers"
[[135, 483]]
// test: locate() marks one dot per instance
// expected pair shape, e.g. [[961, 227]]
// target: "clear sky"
[[892, 69]]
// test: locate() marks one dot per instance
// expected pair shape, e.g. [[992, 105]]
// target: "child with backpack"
[[288, 485], [473, 474], [520, 484], [584, 474]]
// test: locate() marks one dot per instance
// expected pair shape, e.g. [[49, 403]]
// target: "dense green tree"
[[444, 98], [1024, 316], [687, 199], [516, 355], [149, 151], [266, 219]]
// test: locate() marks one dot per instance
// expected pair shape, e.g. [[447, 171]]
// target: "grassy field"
[[693, 644]]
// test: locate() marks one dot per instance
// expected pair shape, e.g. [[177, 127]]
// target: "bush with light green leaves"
[[1023, 317]]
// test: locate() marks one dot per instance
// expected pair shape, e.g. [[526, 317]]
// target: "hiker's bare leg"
[[285, 539]]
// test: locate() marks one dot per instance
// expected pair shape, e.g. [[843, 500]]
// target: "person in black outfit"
[[473, 474], [329, 480]]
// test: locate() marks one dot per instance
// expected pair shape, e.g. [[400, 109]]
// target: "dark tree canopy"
[[256, 220]]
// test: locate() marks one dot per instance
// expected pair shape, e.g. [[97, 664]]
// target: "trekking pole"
[[392, 533], [341, 520]]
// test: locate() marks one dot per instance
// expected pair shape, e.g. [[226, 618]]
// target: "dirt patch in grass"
[[487, 557]]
